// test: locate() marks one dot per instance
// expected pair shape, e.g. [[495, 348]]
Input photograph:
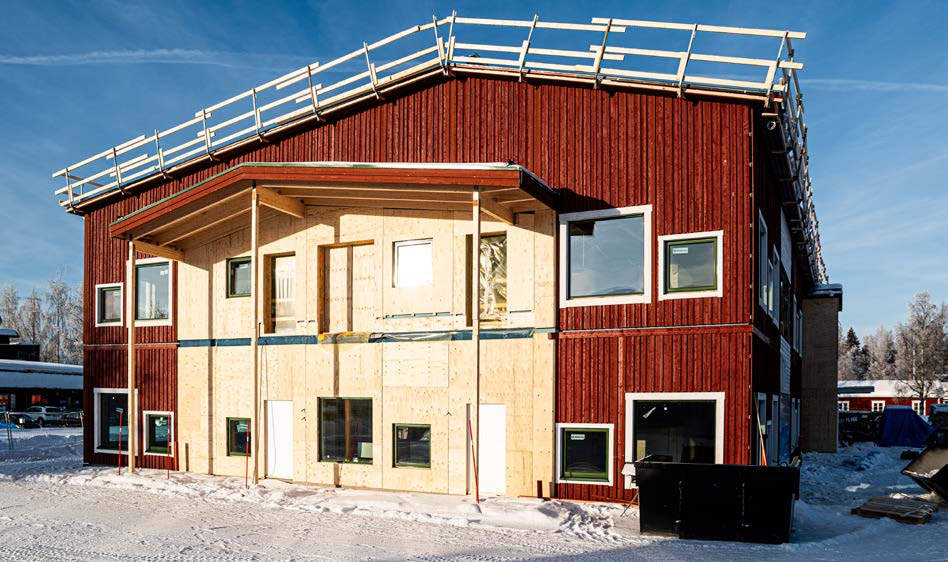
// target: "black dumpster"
[[717, 501], [930, 470]]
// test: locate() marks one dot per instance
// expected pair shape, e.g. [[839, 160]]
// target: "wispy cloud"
[[849, 84], [153, 56]]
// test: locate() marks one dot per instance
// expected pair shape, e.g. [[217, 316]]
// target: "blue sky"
[[78, 77]]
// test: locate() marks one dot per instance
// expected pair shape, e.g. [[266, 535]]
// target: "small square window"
[[877, 405], [238, 437], [413, 267], [108, 304], [158, 433], [238, 277], [691, 265], [585, 453], [412, 445]]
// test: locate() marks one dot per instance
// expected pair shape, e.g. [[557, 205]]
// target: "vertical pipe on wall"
[[130, 307], [255, 299], [476, 317]]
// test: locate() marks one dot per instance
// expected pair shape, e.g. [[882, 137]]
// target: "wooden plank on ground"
[[903, 510]]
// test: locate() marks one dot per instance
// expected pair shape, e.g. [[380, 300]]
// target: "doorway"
[[280, 439]]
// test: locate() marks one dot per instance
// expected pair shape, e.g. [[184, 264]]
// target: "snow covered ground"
[[51, 507]]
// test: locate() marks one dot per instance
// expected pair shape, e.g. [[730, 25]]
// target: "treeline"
[[52, 319], [914, 352]]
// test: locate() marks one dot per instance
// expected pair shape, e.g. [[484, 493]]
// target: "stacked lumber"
[[903, 510]]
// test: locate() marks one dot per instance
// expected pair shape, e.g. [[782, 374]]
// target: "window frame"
[[146, 444], [404, 243], [227, 422], [645, 297], [269, 320], [763, 260], [146, 262], [718, 398], [874, 403], [842, 405], [98, 303], [395, 463], [230, 289], [319, 429], [610, 452], [699, 292], [918, 405], [96, 422]]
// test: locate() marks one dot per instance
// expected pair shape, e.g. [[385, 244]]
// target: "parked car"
[[72, 419], [858, 426], [45, 415]]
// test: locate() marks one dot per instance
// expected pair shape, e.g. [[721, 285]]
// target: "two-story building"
[[528, 263]]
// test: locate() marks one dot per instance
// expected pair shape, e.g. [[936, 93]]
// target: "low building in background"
[[31, 383], [875, 395]]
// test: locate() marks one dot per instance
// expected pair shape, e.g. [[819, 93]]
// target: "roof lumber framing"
[[159, 251], [274, 200]]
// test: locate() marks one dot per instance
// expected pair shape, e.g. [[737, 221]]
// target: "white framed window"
[[606, 257], [918, 407], [153, 292], [763, 259], [108, 304], [111, 419], [674, 426], [158, 429], [413, 263], [584, 453], [691, 265], [843, 405], [877, 405]]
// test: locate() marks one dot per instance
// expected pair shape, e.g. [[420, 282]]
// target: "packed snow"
[[53, 507]]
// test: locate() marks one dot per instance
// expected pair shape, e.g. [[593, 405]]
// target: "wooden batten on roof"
[[218, 203]]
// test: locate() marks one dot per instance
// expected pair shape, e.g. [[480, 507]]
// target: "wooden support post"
[[130, 307], [476, 319], [255, 316]]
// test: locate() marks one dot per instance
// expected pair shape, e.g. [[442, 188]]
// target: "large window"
[[108, 304], [345, 430], [238, 277], [111, 419], [605, 256], [412, 445], [584, 453], [238, 437], [158, 433], [153, 291], [413, 263], [675, 427], [691, 265], [281, 279]]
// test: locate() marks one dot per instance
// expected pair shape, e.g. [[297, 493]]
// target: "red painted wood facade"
[[692, 160]]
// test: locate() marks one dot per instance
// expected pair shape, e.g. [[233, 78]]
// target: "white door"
[[492, 465], [280, 439]]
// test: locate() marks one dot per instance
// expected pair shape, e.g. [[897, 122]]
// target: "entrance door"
[[280, 439], [492, 466]]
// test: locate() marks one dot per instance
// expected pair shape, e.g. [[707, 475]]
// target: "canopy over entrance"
[[216, 204]]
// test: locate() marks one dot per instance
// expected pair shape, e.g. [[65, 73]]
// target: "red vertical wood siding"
[[689, 159], [595, 373]]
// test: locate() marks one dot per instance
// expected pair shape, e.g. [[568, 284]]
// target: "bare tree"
[[920, 346], [844, 360], [57, 300], [10, 307], [31, 319], [879, 348]]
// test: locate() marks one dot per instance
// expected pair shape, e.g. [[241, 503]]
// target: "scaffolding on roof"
[[260, 112]]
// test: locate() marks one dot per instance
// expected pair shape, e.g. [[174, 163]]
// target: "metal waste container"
[[930, 470], [717, 501]]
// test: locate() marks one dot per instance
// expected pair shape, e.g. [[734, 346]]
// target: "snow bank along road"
[[53, 508]]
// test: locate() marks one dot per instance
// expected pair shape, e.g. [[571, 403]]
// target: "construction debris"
[[903, 510]]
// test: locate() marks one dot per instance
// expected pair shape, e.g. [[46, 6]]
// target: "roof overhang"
[[214, 205]]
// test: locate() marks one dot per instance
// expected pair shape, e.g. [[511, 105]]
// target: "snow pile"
[[590, 521]]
